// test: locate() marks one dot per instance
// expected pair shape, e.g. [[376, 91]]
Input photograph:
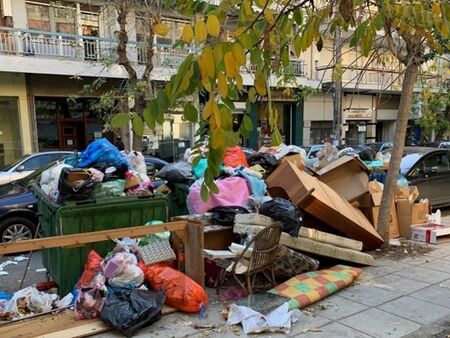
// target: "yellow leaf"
[[230, 65], [161, 29], [188, 33], [436, 9], [239, 83], [238, 32], [208, 61], [206, 83], [248, 8], [223, 85], [200, 31], [260, 85], [217, 51], [269, 17], [444, 29], [238, 53], [260, 3], [252, 94], [213, 25], [216, 114], [208, 110]]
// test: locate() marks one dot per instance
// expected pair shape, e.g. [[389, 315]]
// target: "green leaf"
[[255, 55], [298, 45], [182, 70], [162, 100], [154, 107], [149, 119], [120, 120], [298, 17], [248, 39], [190, 113], [230, 138], [138, 125], [204, 192], [213, 187], [247, 122], [378, 22]]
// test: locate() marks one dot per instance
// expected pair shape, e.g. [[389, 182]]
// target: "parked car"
[[18, 207], [444, 145], [429, 170], [25, 165], [311, 152]]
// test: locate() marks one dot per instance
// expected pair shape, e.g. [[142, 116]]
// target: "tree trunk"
[[397, 151]]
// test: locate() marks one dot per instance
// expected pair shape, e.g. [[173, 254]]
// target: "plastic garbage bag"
[[75, 185], [109, 189], [91, 299], [284, 211], [235, 157], [39, 302], [225, 215], [129, 310], [29, 300], [182, 293], [102, 151], [178, 172], [50, 179], [137, 162], [265, 160], [92, 267], [131, 277]]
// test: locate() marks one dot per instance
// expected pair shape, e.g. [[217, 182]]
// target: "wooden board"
[[190, 232], [311, 246], [320, 236], [59, 325], [323, 203]]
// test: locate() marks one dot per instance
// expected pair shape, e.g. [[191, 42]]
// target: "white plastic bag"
[[50, 178], [131, 277], [137, 162]]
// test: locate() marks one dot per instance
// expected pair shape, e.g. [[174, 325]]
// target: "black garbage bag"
[[178, 172], [225, 215], [129, 310], [111, 172], [75, 185], [265, 160], [284, 211]]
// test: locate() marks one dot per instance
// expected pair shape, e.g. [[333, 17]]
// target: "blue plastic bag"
[[102, 151]]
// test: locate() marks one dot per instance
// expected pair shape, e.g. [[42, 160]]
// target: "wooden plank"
[[88, 237], [311, 246], [324, 237], [86, 330], [193, 246]]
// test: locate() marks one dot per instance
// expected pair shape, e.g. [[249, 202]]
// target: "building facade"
[[49, 52]]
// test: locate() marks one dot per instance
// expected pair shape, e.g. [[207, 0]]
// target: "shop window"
[[320, 131], [10, 135]]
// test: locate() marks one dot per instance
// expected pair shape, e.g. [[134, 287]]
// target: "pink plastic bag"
[[232, 191]]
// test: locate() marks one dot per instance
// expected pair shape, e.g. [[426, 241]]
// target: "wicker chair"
[[258, 256]]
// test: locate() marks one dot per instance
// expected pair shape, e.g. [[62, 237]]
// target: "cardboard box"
[[323, 202], [404, 208], [409, 193], [295, 159], [348, 176], [372, 216], [429, 233], [419, 212]]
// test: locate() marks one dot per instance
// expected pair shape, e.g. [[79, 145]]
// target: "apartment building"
[[49, 51]]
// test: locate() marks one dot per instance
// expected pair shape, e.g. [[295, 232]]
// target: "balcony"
[[296, 68]]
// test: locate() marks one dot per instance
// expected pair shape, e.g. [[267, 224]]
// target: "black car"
[[18, 208]]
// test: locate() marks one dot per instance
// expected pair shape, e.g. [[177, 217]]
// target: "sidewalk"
[[394, 298]]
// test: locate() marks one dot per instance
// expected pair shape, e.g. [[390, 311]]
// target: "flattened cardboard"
[[296, 159], [372, 216], [419, 212], [404, 207], [323, 203], [409, 193], [348, 176]]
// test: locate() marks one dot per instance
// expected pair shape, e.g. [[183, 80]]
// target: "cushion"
[[309, 287]]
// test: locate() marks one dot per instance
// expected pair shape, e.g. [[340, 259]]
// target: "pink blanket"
[[232, 191]]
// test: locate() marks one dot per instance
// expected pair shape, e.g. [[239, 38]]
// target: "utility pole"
[[337, 88]]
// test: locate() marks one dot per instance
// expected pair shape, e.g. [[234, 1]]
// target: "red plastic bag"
[[181, 292], [91, 268], [235, 157]]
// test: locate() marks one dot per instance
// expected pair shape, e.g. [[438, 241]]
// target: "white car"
[[25, 165]]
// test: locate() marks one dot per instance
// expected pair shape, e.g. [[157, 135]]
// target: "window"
[[64, 18], [437, 163], [38, 17], [37, 161]]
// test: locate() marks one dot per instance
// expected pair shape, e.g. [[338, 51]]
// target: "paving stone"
[[368, 294], [337, 330], [418, 260], [416, 310], [380, 324], [424, 275], [436, 294], [399, 284], [439, 265], [307, 321], [336, 307]]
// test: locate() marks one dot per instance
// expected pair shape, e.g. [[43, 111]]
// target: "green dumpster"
[[65, 265]]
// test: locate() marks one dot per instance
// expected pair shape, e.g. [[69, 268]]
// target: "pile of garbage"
[[101, 171]]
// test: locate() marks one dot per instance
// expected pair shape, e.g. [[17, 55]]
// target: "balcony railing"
[[86, 48]]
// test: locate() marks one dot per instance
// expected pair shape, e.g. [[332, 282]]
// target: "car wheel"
[[16, 229]]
